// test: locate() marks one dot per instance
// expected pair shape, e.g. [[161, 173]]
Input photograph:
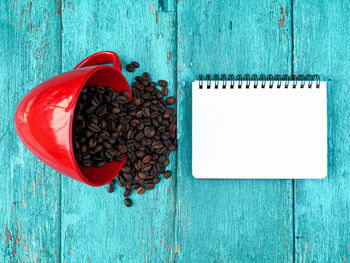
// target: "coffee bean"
[[93, 127], [138, 79], [101, 110], [146, 75], [167, 174], [130, 134], [127, 202], [139, 154], [100, 164], [118, 158], [122, 149], [146, 112], [98, 148], [100, 89], [83, 148], [105, 136], [127, 193], [170, 100], [110, 189], [157, 145], [126, 94], [146, 159], [139, 114], [141, 174], [79, 117], [139, 136], [112, 182], [166, 162], [106, 145], [145, 83], [161, 159], [172, 148], [130, 68], [135, 64], [156, 180], [162, 83], [135, 186], [147, 167], [140, 190], [173, 127], [164, 91], [121, 180], [128, 176], [115, 110], [149, 186], [134, 122], [149, 132], [137, 101], [86, 163]]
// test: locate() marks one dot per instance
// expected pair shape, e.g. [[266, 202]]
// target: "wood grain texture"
[[96, 225], [321, 37], [29, 204], [230, 220], [45, 217]]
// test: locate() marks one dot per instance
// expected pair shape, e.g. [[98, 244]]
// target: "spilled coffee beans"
[[108, 127]]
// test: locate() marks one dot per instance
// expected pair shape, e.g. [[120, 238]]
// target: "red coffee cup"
[[44, 117]]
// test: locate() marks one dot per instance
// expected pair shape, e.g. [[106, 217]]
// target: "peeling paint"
[[282, 21], [179, 94], [282, 18], [23, 12], [34, 188], [152, 8], [8, 235], [59, 8], [30, 8], [170, 56], [14, 8]]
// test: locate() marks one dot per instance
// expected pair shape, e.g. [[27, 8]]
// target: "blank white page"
[[259, 132]]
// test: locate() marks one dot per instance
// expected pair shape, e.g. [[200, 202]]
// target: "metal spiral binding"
[[267, 81]]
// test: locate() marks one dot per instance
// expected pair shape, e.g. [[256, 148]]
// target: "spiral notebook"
[[259, 127]]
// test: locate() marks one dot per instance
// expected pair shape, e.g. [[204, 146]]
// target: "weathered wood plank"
[[30, 192], [96, 226], [230, 220], [321, 36]]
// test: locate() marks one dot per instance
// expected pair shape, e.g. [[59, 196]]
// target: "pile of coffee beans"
[[108, 127]]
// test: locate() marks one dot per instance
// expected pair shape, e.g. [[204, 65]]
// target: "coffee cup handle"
[[101, 58]]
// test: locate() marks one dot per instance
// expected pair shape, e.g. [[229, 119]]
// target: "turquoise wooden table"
[[46, 217]]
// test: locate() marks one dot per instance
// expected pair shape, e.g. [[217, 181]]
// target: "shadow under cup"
[[112, 78]]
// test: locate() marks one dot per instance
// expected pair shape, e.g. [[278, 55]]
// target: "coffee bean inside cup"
[[108, 127]]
